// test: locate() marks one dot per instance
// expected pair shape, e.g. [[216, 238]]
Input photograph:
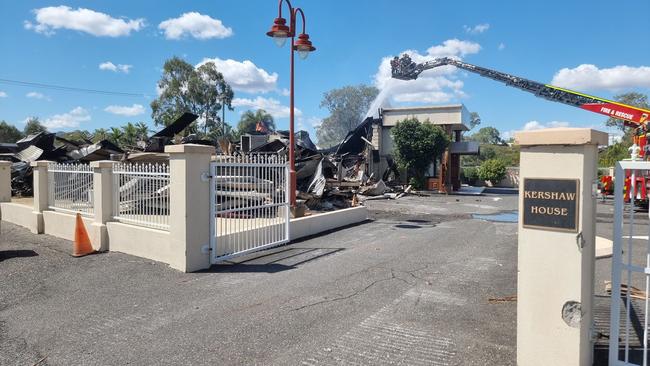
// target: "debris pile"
[[327, 179], [51, 147]]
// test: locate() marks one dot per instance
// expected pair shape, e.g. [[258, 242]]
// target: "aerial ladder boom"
[[405, 69]]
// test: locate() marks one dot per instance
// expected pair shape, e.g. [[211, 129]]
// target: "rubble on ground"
[[327, 179], [48, 146]]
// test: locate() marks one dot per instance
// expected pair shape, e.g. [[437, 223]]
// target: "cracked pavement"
[[409, 287]]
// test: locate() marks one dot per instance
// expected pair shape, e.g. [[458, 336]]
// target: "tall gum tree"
[[347, 106], [184, 88]]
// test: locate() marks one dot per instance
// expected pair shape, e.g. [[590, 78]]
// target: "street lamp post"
[[280, 32]]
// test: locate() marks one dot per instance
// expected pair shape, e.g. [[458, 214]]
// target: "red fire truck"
[[404, 68]]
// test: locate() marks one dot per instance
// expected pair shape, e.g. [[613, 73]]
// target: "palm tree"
[[130, 135], [142, 131], [100, 134], [116, 135]]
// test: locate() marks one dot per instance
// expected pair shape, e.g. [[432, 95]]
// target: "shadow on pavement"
[[8, 254], [408, 226], [272, 260]]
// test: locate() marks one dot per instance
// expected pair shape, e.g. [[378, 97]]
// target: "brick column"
[[189, 205]]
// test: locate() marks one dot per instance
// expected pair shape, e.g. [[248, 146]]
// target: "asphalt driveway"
[[410, 287]]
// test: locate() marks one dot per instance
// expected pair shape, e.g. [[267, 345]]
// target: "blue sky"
[[591, 46]]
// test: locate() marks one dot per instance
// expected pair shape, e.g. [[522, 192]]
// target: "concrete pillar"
[[41, 198], [102, 202], [555, 283], [189, 227], [5, 181]]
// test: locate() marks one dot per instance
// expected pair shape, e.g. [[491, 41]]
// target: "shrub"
[[493, 170], [417, 183], [471, 174], [417, 144]]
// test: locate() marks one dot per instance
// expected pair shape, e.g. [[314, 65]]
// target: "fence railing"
[[141, 194], [630, 268], [71, 188], [249, 197]]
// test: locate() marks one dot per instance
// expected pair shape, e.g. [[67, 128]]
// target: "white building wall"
[[456, 115]]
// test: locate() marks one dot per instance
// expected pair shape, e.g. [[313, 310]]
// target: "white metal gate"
[[628, 343], [249, 204]]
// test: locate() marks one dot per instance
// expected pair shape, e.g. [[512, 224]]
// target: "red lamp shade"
[[279, 31], [303, 46]]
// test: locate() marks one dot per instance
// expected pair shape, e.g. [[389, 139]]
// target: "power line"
[[68, 88]]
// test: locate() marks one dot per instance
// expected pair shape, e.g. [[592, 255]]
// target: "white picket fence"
[[141, 194], [71, 188]]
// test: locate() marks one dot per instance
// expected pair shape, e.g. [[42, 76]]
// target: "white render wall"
[[552, 268], [456, 115], [184, 246]]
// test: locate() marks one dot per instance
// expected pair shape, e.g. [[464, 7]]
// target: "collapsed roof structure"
[[49, 146], [326, 179]]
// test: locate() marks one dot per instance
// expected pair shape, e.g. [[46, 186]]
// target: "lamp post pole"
[[280, 32], [292, 142]]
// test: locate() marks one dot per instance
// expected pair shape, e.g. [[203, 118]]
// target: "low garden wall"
[[159, 213]]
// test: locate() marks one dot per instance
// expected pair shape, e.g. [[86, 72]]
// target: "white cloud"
[[454, 48], [502, 46], [535, 125], [244, 76], [590, 77], [273, 106], [479, 28], [196, 25], [437, 85], [37, 95], [284, 92], [98, 24], [70, 119], [109, 66], [134, 110], [3, 94]]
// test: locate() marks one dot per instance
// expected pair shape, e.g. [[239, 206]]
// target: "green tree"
[[202, 91], [416, 145], [100, 134], [506, 153], [115, 136], [614, 153], [33, 126], [77, 135], [9, 133], [493, 170], [347, 106], [249, 119], [129, 136], [142, 131], [474, 120], [487, 135], [634, 99]]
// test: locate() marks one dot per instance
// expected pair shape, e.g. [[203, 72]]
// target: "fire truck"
[[404, 68]]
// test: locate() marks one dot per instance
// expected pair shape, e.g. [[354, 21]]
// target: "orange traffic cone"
[[82, 244]]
